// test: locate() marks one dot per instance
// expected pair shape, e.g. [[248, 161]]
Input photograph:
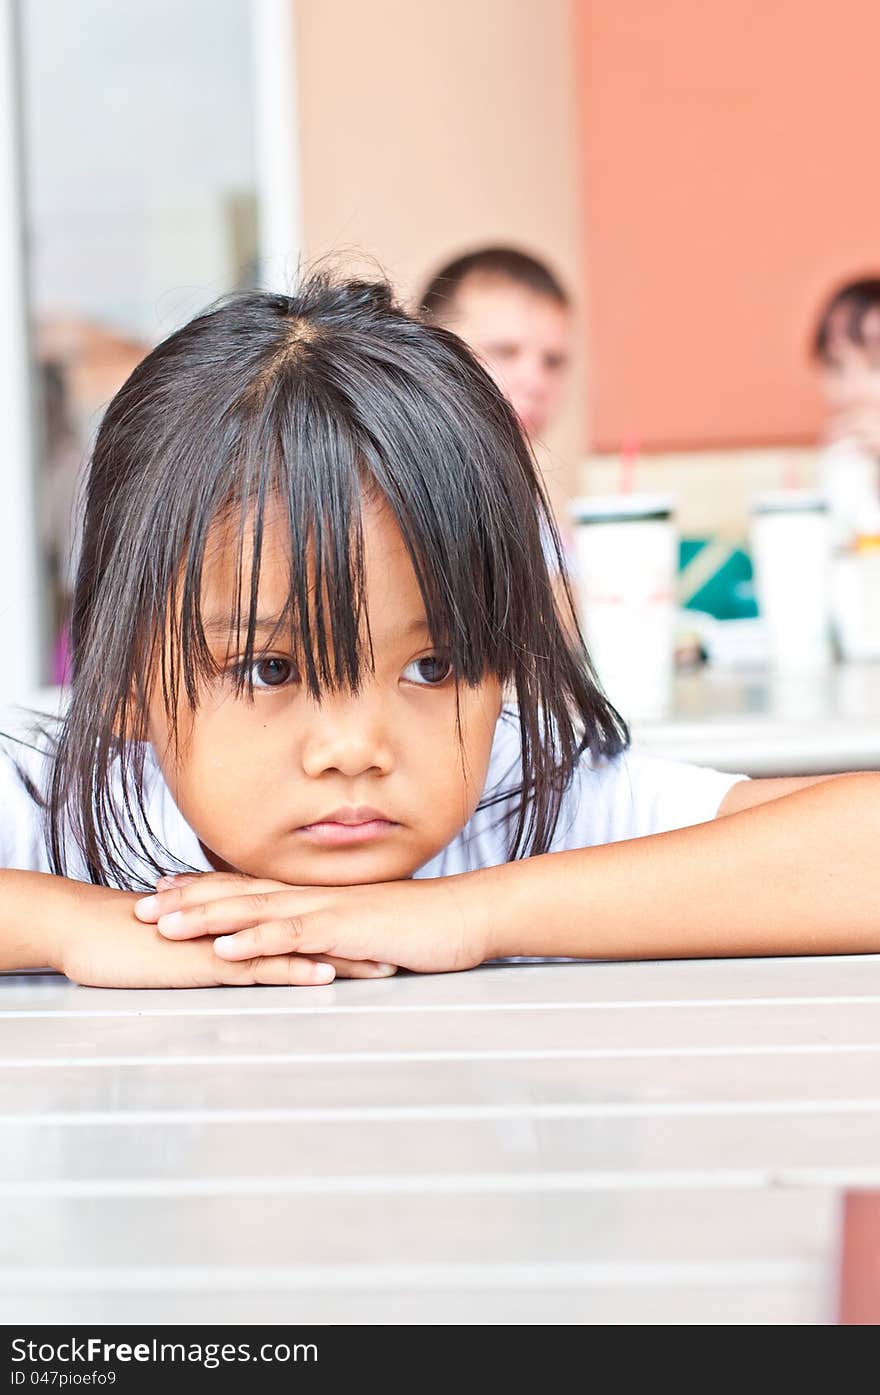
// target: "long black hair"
[[310, 401]]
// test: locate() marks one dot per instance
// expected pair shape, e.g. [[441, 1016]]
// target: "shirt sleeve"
[[22, 837], [637, 794]]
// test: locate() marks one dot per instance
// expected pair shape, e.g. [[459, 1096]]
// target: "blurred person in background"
[[846, 350], [515, 315]]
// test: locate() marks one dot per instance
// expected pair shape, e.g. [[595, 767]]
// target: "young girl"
[[318, 670]]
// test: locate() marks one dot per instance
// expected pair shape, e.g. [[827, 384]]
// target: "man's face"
[[522, 338], [356, 788]]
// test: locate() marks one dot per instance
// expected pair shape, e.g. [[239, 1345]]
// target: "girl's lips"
[[332, 834]]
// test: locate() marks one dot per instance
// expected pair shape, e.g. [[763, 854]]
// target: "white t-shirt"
[[628, 797]]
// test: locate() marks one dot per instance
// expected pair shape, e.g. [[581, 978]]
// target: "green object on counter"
[[715, 576]]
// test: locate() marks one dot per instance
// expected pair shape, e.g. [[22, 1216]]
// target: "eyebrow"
[[224, 626], [220, 625]]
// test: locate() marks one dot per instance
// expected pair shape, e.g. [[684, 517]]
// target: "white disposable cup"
[[626, 549], [850, 482], [855, 605], [791, 554]]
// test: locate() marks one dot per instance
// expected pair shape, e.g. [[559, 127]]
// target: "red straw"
[[791, 473], [629, 456]]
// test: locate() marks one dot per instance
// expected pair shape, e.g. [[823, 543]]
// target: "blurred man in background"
[[516, 317], [514, 314]]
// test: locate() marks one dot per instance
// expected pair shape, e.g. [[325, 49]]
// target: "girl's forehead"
[[230, 555]]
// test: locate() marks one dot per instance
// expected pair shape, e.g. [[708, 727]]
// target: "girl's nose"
[[348, 736]]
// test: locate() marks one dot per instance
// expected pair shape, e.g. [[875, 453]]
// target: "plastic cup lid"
[[789, 501], [621, 508]]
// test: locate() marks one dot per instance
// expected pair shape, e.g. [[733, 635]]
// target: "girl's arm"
[[746, 794], [796, 873], [26, 921], [790, 873]]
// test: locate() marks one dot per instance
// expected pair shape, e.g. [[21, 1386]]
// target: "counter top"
[[577, 1143], [759, 723]]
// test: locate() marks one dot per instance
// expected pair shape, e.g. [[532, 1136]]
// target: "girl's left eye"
[[272, 673], [429, 671]]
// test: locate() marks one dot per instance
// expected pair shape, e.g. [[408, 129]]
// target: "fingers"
[[357, 968], [194, 964], [265, 923], [270, 937], [253, 913], [196, 909], [196, 890], [291, 969], [147, 960], [295, 969], [275, 938], [282, 969]]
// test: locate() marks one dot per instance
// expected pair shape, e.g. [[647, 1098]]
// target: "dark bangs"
[[309, 403]]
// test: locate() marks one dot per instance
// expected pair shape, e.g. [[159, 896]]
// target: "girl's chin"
[[335, 871]]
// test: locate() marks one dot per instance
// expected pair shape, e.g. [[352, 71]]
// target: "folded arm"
[[786, 868]]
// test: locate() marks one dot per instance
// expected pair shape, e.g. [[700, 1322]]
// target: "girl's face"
[[358, 788]]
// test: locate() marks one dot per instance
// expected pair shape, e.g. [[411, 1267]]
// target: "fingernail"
[[146, 906], [223, 942], [324, 973], [170, 922], [383, 970]]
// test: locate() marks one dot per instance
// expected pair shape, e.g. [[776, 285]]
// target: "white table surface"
[[761, 723], [578, 1143]]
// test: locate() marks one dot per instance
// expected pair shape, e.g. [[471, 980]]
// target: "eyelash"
[[422, 659], [240, 671]]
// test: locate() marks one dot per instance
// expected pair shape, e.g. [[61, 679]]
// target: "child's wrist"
[[68, 914], [57, 923], [31, 924], [500, 911], [523, 906]]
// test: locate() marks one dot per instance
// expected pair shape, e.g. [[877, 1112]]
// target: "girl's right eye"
[[269, 673], [431, 671]]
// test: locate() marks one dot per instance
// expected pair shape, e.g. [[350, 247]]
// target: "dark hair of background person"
[[504, 263], [849, 305], [316, 402]]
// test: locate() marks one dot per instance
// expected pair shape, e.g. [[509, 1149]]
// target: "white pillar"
[[20, 609], [277, 136]]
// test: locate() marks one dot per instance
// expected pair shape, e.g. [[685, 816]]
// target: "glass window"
[[140, 186]]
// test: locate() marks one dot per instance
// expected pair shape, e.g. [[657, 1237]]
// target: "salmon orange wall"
[[730, 158]]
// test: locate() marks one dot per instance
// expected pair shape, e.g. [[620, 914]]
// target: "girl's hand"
[[103, 945], [438, 925]]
